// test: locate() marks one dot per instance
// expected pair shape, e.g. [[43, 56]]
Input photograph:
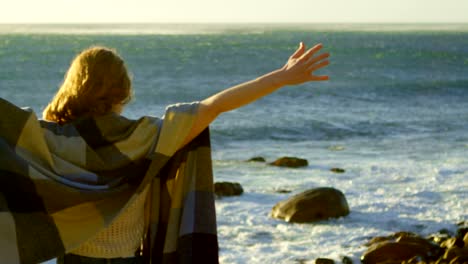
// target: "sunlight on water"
[[239, 28]]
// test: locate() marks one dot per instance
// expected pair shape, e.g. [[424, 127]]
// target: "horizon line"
[[236, 23]]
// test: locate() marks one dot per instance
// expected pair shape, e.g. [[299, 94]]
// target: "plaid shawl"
[[60, 185]]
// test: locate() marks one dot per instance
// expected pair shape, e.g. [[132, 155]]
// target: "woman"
[[97, 84]]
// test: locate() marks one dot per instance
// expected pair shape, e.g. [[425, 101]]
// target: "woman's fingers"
[[317, 62], [319, 78], [319, 65], [300, 50], [306, 56], [314, 60], [304, 62], [315, 67]]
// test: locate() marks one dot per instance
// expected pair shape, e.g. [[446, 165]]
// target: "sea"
[[393, 116]]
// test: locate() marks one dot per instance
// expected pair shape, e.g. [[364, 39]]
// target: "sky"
[[233, 11]]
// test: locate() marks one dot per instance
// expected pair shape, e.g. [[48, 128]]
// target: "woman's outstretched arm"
[[299, 69]]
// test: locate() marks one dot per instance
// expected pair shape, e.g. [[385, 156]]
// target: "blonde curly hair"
[[96, 82]]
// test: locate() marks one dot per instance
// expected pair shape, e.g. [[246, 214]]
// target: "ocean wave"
[[319, 130]]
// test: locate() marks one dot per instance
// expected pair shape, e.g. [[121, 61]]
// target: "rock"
[[395, 251], [399, 247], [459, 260], [445, 231], [450, 248], [312, 205], [376, 240], [439, 237], [283, 191], [337, 170], [453, 242], [291, 162], [465, 240], [257, 159], [228, 189], [456, 253], [346, 260], [414, 260], [461, 233], [324, 261], [416, 240], [392, 237]]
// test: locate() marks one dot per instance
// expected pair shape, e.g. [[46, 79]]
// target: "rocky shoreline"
[[318, 204], [407, 247]]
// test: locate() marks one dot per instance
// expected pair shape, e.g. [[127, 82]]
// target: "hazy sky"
[[93, 11]]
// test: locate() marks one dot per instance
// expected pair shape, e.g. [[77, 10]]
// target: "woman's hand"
[[302, 64]]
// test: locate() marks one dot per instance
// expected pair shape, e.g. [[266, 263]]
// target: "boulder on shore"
[[400, 247], [290, 162], [324, 261], [405, 247], [312, 205], [337, 170], [228, 189], [256, 159]]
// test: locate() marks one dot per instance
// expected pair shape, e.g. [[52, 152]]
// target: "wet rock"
[[228, 189], [439, 237], [459, 260], [290, 162], [337, 170], [456, 253], [465, 240], [395, 251], [283, 191], [414, 260], [451, 248], [453, 242], [376, 240], [399, 247], [257, 159], [461, 233], [445, 231], [416, 240], [312, 205], [324, 261], [346, 260], [392, 237]]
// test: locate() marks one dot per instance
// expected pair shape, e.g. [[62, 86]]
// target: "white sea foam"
[[385, 195]]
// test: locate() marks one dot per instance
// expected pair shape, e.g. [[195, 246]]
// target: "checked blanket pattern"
[[61, 185]]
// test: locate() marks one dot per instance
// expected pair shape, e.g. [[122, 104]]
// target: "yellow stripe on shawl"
[[85, 215], [176, 127], [177, 189]]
